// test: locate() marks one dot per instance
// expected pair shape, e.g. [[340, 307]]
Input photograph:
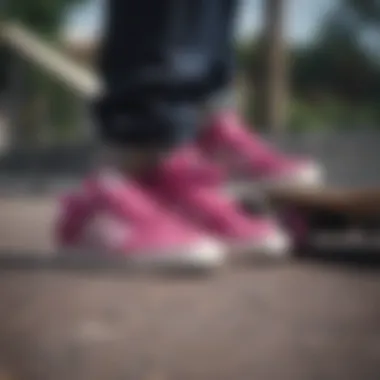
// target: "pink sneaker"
[[112, 217], [246, 156], [206, 206]]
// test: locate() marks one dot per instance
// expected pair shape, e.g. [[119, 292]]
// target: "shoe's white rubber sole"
[[276, 247], [206, 255], [309, 176]]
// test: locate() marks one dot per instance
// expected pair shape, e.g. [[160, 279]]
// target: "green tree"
[[43, 16], [340, 62], [335, 79]]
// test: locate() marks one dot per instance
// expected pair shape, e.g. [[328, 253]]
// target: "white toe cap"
[[308, 174]]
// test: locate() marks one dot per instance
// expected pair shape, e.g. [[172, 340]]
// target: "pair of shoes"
[[178, 216]]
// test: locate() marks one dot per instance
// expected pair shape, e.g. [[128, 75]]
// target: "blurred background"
[[306, 67], [303, 65]]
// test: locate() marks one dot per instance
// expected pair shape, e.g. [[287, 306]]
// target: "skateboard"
[[329, 220]]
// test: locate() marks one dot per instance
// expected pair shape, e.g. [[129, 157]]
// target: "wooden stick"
[[80, 79]]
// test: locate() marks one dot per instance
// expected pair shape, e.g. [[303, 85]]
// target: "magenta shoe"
[[204, 205], [113, 218], [249, 160]]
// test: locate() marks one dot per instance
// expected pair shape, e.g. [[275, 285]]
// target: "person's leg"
[[189, 63], [223, 133], [158, 69], [224, 70], [155, 63], [159, 61], [225, 138]]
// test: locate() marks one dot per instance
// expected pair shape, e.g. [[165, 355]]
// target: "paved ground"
[[295, 322]]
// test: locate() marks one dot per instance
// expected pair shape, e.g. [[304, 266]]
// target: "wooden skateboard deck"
[[363, 203], [331, 219]]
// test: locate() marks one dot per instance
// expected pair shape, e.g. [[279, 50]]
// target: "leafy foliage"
[[335, 81], [43, 16]]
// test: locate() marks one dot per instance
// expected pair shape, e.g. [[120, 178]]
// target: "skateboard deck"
[[329, 219], [362, 203]]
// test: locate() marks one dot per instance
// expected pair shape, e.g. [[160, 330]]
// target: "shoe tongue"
[[215, 205], [124, 197], [223, 215], [188, 167], [229, 137]]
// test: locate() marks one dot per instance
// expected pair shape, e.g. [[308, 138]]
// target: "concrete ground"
[[297, 321]]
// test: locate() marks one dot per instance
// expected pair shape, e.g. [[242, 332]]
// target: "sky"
[[302, 18]]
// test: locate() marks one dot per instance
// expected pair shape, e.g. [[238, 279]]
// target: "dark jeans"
[[160, 60]]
